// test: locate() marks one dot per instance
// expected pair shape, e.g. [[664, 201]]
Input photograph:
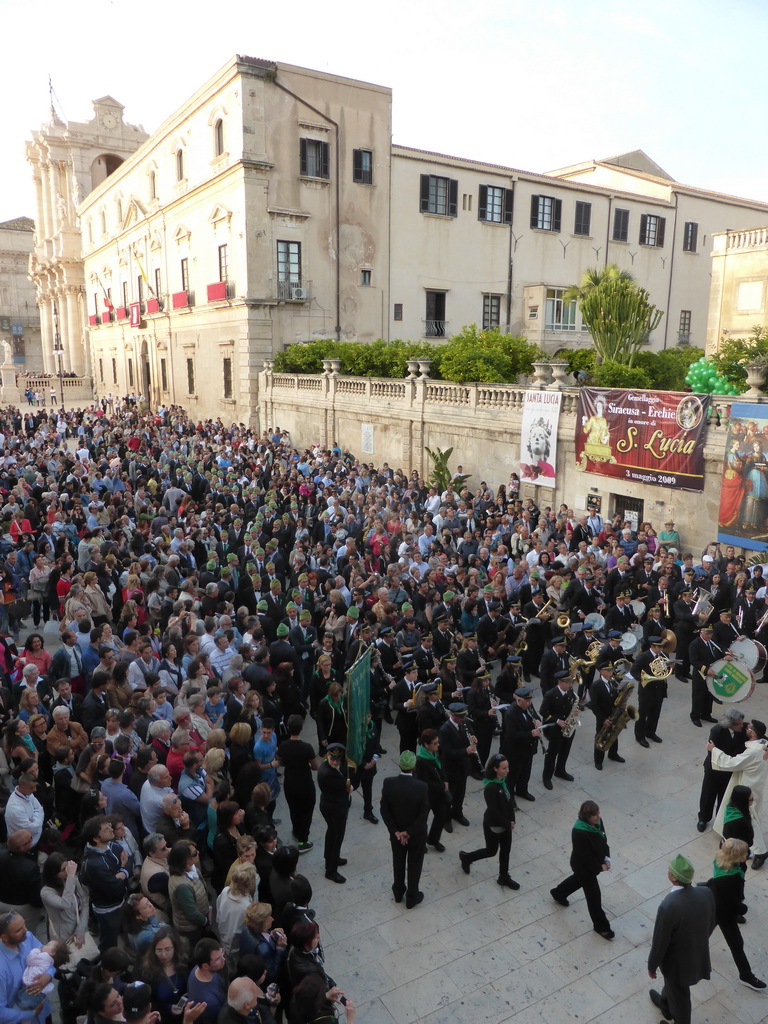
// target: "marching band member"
[[482, 711], [620, 616], [725, 632], [468, 660], [702, 653], [457, 749], [519, 740], [686, 624], [554, 660], [404, 703], [653, 625], [602, 697], [651, 693], [556, 706]]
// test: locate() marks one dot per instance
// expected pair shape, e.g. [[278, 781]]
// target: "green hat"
[[282, 629], [353, 612], [488, 588], [448, 595], [406, 607], [231, 558], [274, 585], [407, 761], [210, 565], [681, 869], [306, 615], [261, 606], [290, 607], [303, 576]]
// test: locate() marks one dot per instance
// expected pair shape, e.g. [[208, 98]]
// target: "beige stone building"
[[739, 295], [68, 161], [19, 315], [271, 208], [255, 216]]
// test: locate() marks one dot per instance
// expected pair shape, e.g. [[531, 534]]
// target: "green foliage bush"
[[618, 375], [668, 369]]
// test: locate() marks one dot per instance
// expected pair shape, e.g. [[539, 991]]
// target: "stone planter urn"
[[335, 367], [326, 366], [269, 365], [756, 374], [560, 375], [413, 369], [540, 375], [425, 365]]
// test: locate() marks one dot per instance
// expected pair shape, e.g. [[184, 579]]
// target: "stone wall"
[[394, 420]]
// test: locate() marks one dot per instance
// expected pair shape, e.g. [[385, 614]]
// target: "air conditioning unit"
[[299, 293]]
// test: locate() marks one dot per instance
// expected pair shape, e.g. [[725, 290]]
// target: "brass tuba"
[[620, 717]]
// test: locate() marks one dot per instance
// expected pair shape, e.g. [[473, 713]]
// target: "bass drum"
[[596, 620], [732, 682], [747, 650]]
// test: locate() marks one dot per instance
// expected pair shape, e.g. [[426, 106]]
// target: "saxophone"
[[624, 713], [572, 720]]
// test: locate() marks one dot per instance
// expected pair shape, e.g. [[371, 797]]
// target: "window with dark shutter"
[[557, 214], [509, 205], [690, 236], [643, 229], [546, 213], [620, 225], [362, 166], [652, 229], [424, 196], [534, 211], [453, 198], [482, 203], [303, 157], [313, 158], [583, 219]]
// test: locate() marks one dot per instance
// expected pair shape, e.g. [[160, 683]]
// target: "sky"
[[530, 85]]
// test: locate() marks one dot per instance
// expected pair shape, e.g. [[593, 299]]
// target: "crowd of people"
[[191, 596]]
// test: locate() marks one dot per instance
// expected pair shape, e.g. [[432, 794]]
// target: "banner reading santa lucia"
[[651, 437], [538, 437]]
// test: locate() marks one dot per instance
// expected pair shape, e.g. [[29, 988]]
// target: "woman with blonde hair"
[[231, 908], [246, 854], [727, 885], [213, 763]]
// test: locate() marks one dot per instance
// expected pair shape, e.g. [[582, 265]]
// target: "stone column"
[[74, 347], [46, 335], [45, 184]]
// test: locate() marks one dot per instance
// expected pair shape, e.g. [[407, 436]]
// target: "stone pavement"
[[475, 952]]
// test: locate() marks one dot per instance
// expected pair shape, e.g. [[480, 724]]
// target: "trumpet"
[[540, 612], [563, 623]]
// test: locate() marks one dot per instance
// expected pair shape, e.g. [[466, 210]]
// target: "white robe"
[[747, 769]]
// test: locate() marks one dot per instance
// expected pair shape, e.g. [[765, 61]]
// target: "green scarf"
[[502, 782], [718, 872], [336, 707], [584, 826], [428, 755], [732, 813]]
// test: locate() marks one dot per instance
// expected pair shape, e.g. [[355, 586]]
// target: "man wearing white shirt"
[[433, 502], [426, 539], [24, 810]]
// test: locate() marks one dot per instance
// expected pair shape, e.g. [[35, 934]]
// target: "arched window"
[[179, 165], [103, 223], [218, 137], [152, 185]]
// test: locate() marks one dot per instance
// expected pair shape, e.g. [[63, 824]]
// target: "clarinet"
[[473, 739]]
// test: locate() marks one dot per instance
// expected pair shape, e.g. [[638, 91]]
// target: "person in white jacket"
[[231, 906], [24, 810], [749, 768]]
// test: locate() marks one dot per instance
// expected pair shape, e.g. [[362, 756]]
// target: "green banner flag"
[[358, 705]]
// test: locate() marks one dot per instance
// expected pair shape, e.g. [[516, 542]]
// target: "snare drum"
[[638, 607], [747, 650], [629, 643], [595, 619], [732, 681], [637, 629]]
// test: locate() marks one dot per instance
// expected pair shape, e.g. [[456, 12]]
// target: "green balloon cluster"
[[704, 378]]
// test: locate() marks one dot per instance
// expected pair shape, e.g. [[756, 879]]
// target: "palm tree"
[[593, 277]]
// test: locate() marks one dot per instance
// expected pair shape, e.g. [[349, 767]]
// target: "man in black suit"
[[520, 737], [620, 616], [554, 660], [602, 697], [405, 809], [728, 736], [403, 703], [456, 748], [555, 709], [334, 786], [686, 624], [701, 654], [680, 946], [651, 695]]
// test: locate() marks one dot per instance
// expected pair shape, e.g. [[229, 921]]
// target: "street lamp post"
[[58, 351]]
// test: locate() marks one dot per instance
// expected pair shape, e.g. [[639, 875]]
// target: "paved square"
[[473, 951]]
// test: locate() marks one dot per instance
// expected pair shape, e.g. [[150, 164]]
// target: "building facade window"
[[114, 371], [227, 368], [101, 370], [495, 204], [130, 372], [582, 221], [435, 315], [560, 314], [439, 195], [185, 274], [365, 278], [684, 328], [546, 213], [164, 374], [158, 284], [179, 165], [190, 376], [362, 166], [152, 185], [313, 158], [223, 264], [690, 236], [96, 305], [397, 312], [218, 138], [288, 269], [491, 311], [620, 226], [651, 230]]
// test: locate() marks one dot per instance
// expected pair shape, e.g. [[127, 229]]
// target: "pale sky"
[[531, 85]]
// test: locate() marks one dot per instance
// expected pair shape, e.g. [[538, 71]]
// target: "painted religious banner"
[[651, 437], [538, 437], [743, 518]]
